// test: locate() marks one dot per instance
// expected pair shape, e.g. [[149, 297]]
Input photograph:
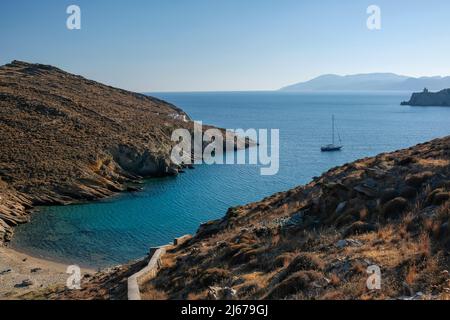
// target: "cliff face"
[[426, 98], [66, 139], [317, 241]]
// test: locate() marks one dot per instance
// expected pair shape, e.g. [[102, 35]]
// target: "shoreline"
[[58, 261], [22, 273]]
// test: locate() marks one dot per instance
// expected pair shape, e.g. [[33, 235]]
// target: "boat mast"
[[332, 120]]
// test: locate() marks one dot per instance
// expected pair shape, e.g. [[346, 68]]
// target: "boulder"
[[359, 227], [305, 261], [341, 244], [366, 190], [444, 231], [296, 219], [24, 284], [440, 198], [405, 161], [340, 207], [182, 240], [348, 242], [3, 272], [395, 207], [417, 180], [408, 192], [221, 293], [388, 194], [299, 281]]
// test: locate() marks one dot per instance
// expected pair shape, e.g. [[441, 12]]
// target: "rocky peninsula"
[[67, 139], [428, 99]]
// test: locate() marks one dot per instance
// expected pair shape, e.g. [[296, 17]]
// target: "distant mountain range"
[[370, 81]]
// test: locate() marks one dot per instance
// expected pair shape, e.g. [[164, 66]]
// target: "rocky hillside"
[[426, 98], [66, 139], [317, 241]]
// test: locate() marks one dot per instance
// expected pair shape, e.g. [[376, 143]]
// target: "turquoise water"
[[115, 231]]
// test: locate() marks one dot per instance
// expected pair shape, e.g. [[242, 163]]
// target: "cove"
[[124, 228]]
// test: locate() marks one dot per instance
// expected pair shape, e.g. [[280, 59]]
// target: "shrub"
[[297, 282], [416, 180], [304, 262], [213, 276], [395, 207], [359, 227], [282, 261]]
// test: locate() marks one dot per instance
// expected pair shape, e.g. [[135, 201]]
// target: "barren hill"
[[65, 139]]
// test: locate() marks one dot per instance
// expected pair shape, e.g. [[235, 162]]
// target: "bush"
[[282, 261], [304, 262], [359, 227], [388, 195], [213, 276], [297, 282], [395, 207], [416, 180], [246, 255]]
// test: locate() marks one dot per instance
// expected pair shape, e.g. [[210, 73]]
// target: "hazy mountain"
[[370, 81]]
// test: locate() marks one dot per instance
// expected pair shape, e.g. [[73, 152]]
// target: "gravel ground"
[[21, 273]]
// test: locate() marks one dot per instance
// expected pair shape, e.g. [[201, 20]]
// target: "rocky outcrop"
[[426, 99], [67, 139], [13, 210]]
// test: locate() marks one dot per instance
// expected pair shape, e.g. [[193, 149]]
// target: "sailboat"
[[332, 146]]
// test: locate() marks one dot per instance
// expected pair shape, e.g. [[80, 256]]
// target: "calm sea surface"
[[115, 231]]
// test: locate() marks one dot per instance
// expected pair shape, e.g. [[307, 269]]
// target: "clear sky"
[[217, 45]]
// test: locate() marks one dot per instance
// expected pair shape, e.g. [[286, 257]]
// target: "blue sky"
[[219, 45]]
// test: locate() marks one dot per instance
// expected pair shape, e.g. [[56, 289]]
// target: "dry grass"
[[434, 162], [151, 294], [303, 274], [411, 276], [424, 245]]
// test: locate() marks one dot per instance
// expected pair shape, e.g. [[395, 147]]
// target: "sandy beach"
[[21, 273]]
